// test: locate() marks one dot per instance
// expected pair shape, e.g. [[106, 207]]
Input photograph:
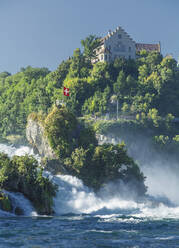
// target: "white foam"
[[74, 197], [19, 200], [21, 151]]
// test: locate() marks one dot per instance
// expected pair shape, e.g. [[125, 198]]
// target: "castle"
[[120, 44]]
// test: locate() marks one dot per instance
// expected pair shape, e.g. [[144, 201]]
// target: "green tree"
[[21, 174], [120, 86], [65, 133], [89, 45], [153, 115], [59, 75], [107, 165], [78, 67]]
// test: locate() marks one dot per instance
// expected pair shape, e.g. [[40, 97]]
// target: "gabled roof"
[[110, 34], [147, 47]]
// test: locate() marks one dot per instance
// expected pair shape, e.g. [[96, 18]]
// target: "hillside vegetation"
[[147, 89], [76, 147], [147, 92], [21, 174]]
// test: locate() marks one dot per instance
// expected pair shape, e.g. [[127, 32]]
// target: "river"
[[84, 219]]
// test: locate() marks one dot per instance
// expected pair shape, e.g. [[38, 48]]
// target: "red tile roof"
[[148, 47]]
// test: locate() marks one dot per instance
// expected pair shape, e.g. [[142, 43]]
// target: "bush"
[[65, 133], [99, 165], [5, 203], [21, 174]]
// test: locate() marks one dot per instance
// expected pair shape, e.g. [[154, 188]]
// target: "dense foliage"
[[65, 133], [76, 147], [5, 202], [99, 165], [20, 174], [147, 89]]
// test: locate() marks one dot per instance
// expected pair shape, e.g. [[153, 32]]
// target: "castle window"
[[105, 56], [109, 47], [129, 49], [120, 47], [129, 56], [119, 36]]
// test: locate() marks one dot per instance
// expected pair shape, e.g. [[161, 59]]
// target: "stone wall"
[[117, 44], [121, 45]]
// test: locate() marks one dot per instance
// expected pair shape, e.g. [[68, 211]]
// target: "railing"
[[113, 117]]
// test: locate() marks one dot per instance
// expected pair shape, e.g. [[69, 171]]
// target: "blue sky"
[[42, 33]]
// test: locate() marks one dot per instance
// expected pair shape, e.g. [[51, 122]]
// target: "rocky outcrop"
[[35, 135]]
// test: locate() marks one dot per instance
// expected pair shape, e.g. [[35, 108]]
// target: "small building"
[[119, 44], [148, 47]]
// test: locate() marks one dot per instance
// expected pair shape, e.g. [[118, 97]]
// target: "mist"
[[115, 199], [160, 169]]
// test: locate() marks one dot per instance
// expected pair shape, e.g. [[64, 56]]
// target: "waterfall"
[[20, 151], [74, 197], [20, 205]]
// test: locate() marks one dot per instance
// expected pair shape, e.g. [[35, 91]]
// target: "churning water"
[[84, 219]]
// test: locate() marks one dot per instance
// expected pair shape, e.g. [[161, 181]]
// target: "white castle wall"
[[119, 44]]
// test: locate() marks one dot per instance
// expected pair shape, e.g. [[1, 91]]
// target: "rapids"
[[74, 197], [85, 219]]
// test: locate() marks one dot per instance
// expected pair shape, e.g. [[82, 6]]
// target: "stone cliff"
[[35, 135], [67, 146]]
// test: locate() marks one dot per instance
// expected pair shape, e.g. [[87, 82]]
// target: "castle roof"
[[147, 47], [114, 32]]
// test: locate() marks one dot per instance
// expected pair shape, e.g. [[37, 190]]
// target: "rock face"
[[36, 137]]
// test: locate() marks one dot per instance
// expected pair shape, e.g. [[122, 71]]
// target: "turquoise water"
[[79, 231]]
